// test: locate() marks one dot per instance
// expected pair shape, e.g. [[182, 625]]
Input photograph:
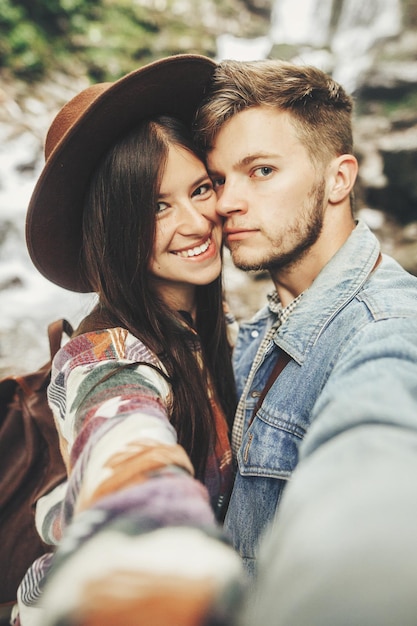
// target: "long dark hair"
[[118, 232]]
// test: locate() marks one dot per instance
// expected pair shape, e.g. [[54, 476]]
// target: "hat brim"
[[172, 86]]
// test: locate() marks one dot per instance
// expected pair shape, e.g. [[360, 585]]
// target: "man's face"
[[269, 191]]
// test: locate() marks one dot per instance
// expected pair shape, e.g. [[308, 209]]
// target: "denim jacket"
[[356, 326]]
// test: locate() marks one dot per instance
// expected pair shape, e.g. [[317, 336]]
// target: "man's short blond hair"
[[320, 109]]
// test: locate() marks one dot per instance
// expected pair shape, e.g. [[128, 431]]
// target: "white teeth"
[[195, 251]]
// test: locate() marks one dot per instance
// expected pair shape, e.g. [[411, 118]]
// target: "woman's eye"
[[262, 172], [161, 206], [203, 190]]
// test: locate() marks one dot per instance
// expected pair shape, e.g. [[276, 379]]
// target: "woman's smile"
[[195, 251]]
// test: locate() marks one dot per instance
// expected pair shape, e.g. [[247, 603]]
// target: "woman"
[[143, 394]]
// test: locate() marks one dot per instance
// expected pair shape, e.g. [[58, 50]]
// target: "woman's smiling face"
[[187, 247]]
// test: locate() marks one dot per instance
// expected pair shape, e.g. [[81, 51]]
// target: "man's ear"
[[344, 170]]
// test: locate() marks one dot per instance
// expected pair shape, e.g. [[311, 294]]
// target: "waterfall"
[[28, 302], [360, 26], [301, 22], [340, 37]]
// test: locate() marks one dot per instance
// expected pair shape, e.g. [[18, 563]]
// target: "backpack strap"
[[282, 360], [29, 383], [55, 332]]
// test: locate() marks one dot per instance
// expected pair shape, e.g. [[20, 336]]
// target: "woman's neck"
[[180, 298]]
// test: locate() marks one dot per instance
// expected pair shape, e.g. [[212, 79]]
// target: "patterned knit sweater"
[[136, 533]]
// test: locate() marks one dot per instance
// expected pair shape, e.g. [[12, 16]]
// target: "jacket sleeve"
[[349, 511], [139, 534]]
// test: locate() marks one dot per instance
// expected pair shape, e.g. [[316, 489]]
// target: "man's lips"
[[237, 234]]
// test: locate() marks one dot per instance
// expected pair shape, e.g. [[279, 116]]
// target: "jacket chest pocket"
[[270, 447]]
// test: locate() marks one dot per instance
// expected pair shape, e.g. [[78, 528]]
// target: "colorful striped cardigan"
[[136, 533]]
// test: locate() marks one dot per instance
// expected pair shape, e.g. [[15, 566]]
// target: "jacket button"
[[254, 333], [255, 394]]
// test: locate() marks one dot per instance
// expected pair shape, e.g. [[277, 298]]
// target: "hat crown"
[[68, 116]]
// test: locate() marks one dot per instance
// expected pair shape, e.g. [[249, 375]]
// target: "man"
[[341, 327]]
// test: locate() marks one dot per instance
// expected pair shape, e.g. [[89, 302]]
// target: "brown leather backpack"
[[30, 465]]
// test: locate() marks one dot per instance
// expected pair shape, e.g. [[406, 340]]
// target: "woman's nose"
[[193, 220]]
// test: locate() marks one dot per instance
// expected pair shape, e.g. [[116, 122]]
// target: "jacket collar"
[[336, 285]]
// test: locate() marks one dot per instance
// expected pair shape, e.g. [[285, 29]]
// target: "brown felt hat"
[[84, 129]]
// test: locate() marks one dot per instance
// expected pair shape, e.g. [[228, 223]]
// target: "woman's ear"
[[344, 171]]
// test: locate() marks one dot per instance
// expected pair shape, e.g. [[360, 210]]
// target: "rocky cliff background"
[[46, 56]]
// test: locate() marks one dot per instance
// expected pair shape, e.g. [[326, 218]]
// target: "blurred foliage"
[[103, 38], [107, 38], [34, 34]]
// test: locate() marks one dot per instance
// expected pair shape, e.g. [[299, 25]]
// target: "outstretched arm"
[[139, 535]]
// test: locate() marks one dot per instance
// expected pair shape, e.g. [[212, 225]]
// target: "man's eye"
[[262, 172], [218, 182]]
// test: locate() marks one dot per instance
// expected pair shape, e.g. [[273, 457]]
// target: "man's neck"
[[297, 277]]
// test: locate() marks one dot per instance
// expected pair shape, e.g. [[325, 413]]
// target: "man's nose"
[[231, 199]]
